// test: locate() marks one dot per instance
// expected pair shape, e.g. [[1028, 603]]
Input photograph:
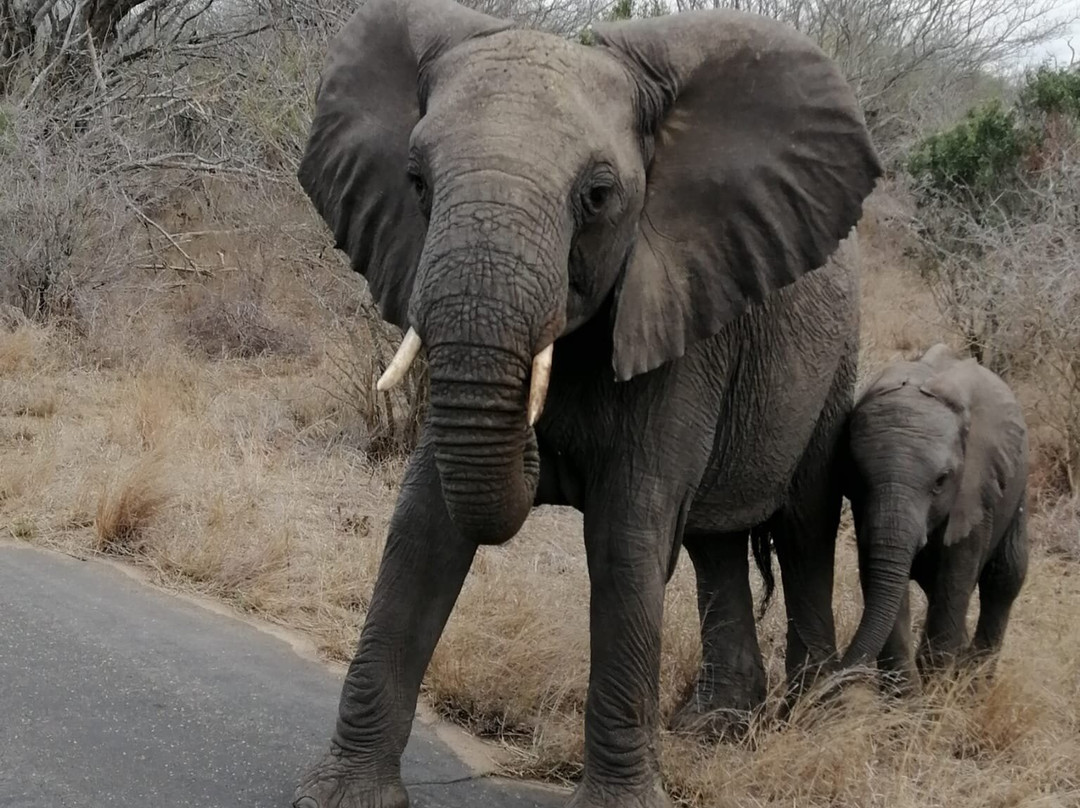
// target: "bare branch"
[[192, 265], [44, 74]]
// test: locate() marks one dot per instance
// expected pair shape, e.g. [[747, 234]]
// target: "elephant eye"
[[418, 184], [939, 483], [598, 197], [598, 190]]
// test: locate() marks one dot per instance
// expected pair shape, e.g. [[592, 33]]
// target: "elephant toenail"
[[305, 802]]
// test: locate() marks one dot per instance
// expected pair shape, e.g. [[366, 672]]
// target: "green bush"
[[979, 157], [1049, 91]]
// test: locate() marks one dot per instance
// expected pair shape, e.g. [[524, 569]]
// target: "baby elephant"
[[939, 459]]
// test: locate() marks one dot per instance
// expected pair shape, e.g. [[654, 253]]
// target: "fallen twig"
[[200, 271]]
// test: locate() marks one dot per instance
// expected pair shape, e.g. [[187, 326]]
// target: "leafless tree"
[[911, 58]]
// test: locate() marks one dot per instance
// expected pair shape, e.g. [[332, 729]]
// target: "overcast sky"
[[1059, 48]]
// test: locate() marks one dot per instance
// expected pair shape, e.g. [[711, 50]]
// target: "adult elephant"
[[609, 229]]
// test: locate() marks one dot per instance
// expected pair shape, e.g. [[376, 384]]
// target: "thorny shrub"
[[61, 219], [389, 422], [233, 322], [999, 200]]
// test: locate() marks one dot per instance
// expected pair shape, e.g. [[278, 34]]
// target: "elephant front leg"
[[948, 598], [628, 561], [422, 571], [731, 683]]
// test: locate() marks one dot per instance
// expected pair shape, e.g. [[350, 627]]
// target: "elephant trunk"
[[485, 451], [490, 300], [889, 534]]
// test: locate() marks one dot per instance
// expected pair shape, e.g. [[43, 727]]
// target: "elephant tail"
[[761, 546]]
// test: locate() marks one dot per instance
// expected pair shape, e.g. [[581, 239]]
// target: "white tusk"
[[541, 375], [399, 365]]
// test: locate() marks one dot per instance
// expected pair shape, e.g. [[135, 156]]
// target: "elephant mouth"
[[540, 378]]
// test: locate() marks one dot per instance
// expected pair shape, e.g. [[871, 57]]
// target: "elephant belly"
[[782, 360]]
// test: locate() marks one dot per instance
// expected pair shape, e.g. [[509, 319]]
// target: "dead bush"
[[234, 322], [389, 422], [1056, 527], [359, 348], [21, 348], [1003, 273], [61, 222]]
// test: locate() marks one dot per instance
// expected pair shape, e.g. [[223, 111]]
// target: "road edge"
[[483, 758]]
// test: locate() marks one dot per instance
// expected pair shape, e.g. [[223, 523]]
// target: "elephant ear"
[[995, 450], [761, 164], [891, 378], [367, 104]]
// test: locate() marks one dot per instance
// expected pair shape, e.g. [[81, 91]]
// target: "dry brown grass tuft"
[[957, 745], [22, 348], [128, 506], [43, 406]]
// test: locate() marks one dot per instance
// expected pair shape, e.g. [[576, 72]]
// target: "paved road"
[[115, 694]]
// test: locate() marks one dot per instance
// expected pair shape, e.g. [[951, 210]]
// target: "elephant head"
[[933, 446], [499, 187]]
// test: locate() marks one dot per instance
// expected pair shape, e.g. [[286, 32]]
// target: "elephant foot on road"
[[595, 796], [337, 782]]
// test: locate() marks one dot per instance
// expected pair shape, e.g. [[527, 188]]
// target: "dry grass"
[[1056, 528], [21, 347], [128, 506], [252, 480]]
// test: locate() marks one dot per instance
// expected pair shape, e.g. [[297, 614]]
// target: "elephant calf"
[[939, 458]]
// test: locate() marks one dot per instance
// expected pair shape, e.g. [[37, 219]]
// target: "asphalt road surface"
[[115, 694]]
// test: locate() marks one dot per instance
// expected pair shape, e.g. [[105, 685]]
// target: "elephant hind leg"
[[804, 535], [999, 584], [731, 682]]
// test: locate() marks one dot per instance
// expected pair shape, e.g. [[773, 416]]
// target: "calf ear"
[[996, 448], [938, 356], [367, 104], [761, 164]]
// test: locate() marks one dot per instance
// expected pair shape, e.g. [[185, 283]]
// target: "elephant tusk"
[[538, 387], [399, 365]]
